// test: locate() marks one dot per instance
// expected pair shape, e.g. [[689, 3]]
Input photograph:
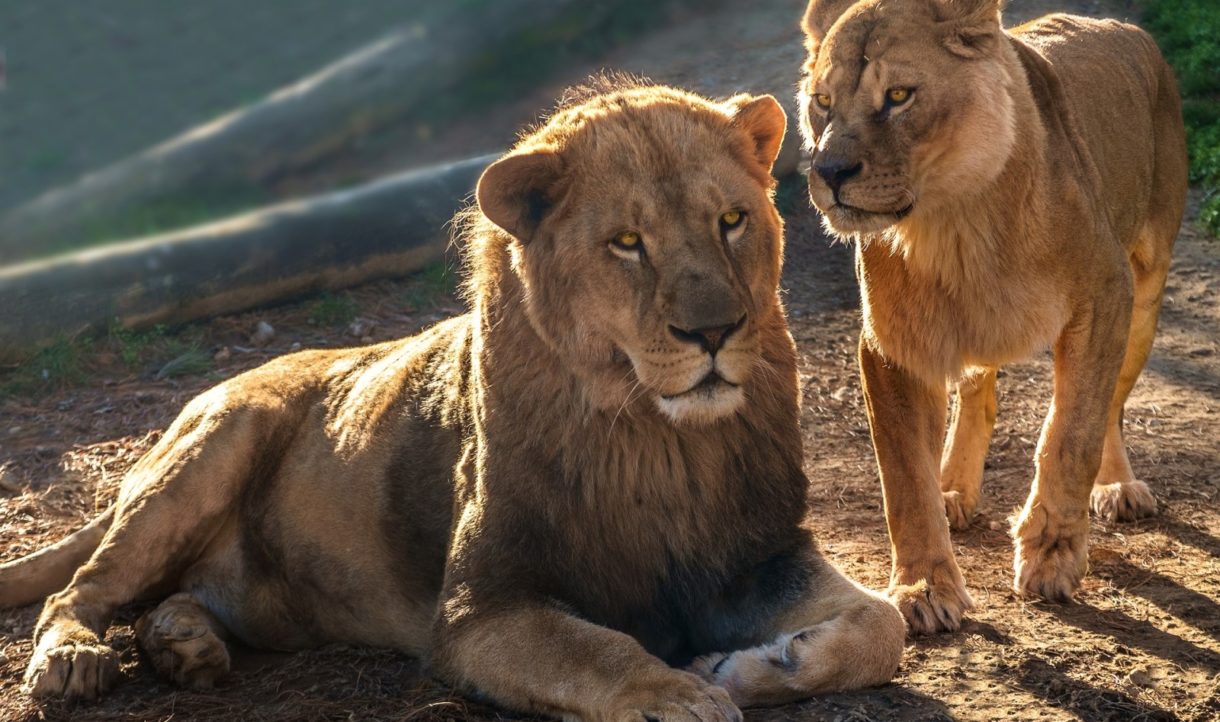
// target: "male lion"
[[594, 474], [1006, 190]]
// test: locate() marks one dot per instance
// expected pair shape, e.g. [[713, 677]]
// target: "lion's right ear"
[[819, 16], [516, 191]]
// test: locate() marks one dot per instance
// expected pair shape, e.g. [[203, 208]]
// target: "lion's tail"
[[49, 570]]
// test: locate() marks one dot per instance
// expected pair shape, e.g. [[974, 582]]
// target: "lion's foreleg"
[[535, 658], [1052, 530], [841, 636], [907, 418]]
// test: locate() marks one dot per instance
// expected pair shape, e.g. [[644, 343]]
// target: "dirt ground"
[[1142, 643]]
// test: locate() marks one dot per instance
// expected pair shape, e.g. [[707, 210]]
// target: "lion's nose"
[[711, 338], [836, 169]]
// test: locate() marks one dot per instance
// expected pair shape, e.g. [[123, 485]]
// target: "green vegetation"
[[333, 310], [1188, 32], [434, 284]]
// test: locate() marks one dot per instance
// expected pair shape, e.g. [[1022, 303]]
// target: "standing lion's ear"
[[973, 26], [819, 16], [764, 121], [516, 191]]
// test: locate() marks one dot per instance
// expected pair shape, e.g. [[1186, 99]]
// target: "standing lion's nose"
[[711, 338], [836, 169]]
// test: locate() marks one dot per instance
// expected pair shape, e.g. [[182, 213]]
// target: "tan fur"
[[550, 498], [1026, 194]]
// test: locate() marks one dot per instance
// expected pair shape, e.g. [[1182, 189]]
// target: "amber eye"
[[823, 101], [898, 96], [732, 219], [628, 240]]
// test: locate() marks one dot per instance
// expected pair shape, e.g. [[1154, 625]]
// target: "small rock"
[[8, 483], [361, 327], [1140, 678], [14, 430], [1200, 352], [224, 354], [296, 346], [995, 525], [841, 393], [263, 333], [366, 339]]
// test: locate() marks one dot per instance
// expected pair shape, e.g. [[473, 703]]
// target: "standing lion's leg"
[[840, 636], [907, 418], [170, 502], [961, 466], [1117, 495], [1052, 530], [185, 642]]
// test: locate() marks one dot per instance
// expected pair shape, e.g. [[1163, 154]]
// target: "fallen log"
[[453, 61], [389, 227]]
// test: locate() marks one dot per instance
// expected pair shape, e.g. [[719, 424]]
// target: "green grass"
[[1188, 32], [435, 283], [333, 310]]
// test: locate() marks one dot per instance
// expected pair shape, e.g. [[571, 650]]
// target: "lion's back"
[[1123, 100]]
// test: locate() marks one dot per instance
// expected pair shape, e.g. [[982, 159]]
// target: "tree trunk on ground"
[[468, 53], [386, 228]]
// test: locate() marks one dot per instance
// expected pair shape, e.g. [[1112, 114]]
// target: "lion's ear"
[[819, 16], [972, 27], [762, 119], [515, 192]]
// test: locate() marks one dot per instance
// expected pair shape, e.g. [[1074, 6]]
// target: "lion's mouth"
[[862, 212], [708, 386]]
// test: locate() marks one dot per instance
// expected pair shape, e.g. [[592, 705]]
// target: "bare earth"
[[1142, 643]]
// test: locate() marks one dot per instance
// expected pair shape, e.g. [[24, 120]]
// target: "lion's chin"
[[708, 401], [848, 220]]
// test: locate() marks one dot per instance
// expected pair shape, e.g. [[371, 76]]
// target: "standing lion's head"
[[643, 232]]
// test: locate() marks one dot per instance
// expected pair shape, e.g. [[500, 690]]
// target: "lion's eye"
[[731, 220], [823, 101], [897, 96], [628, 241]]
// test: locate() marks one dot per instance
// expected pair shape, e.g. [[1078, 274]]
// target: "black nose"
[[836, 170], [711, 338]]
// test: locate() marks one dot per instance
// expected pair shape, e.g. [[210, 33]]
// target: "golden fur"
[[1007, 191], [592, 478]]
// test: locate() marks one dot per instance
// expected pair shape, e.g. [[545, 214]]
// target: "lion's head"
[[905, 105], [643, 232]]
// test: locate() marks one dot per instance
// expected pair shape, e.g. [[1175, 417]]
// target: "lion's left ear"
[[972, 27], [517, 190], [764, 121]]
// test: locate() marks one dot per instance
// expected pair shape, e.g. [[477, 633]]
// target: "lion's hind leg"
[[840, 637], [1117, 495], [970, 427], [172, 502], [185, 642]]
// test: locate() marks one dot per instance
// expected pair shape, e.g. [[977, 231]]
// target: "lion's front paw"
[[677, 697], [1122, 501], [1052, 555], [71, 670], [932, 600], [959, 509]]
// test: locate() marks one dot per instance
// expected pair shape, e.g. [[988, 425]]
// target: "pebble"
[[263, 333], [361, 328], [296, 346], [995, 525], [224, 354], [1140, 678], [841, 393]]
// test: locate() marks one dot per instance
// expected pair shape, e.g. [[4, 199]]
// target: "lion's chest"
[[936, 327]]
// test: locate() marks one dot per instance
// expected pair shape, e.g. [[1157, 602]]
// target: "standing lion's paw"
[[675, 697], [959, 509], [74, 671], [1052, 555], [932, 601], [1122, 501]]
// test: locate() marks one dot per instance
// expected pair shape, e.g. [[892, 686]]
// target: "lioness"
[[1006, 190], [594, 474]]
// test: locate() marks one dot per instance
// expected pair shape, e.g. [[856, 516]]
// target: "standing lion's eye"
[[897, 96], [732, 219], [823, 101], [732, 225]]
